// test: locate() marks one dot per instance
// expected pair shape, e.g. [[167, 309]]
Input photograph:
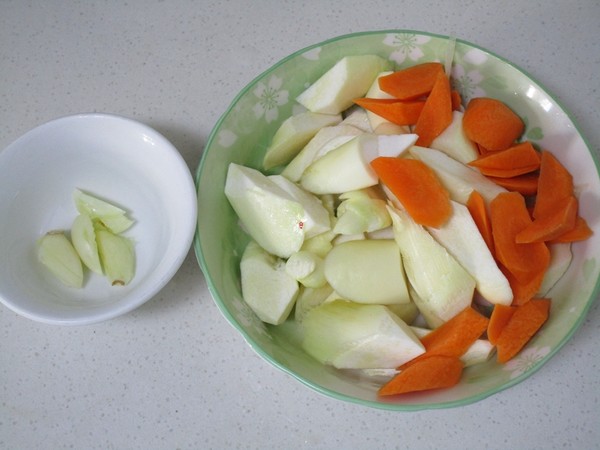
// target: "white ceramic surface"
[[112, 157]]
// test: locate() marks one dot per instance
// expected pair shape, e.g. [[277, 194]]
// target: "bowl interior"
[[243, 133], [114, 158]]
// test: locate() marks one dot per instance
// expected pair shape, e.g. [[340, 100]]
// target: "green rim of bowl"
[[326, 391]]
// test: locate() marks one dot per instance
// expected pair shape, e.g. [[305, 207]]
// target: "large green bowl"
[[243, 133]]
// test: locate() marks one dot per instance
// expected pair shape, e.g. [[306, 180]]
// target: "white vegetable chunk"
[[454, 142], [346, 168], [269, 214], [293, 134], [367, 271], [442, 285], [461, 237], [348, 79], [560, 260], [348, 335], [266, 287]]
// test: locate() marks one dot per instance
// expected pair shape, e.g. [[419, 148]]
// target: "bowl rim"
[[189, 225], [390, 406]]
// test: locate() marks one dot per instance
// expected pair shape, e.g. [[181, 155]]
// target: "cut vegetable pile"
[[401, 230], [95, 243]]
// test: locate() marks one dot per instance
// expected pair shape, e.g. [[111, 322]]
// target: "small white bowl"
[[114, 158]]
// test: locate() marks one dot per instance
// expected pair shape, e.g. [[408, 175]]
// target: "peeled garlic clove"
[[56, 252], [117, 257], [113, 217], [83, 237]]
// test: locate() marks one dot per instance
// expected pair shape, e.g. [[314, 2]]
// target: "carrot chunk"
[[555, 185], [456, 100], [509, 215], [436, 115], [525, 184], [551, 225], [491, 123], [516, 160], [412, 82], [417, 187], [396, 111], [523, 291], [522, 326], [478, 209], [500, 316], [454, 337], [580, 232], [435, 372]]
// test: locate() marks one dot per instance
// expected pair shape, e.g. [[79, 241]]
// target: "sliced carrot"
[[555, 184], [417, 187], [525, 184], [436, 115], [435, 372], [500, 316], [509, 215], [491, 123], [551, 225], [396, 111], [454, 337], [580, 232], [523, 291], [478, 209], [516, 160], [522, 326], [456, 100], [412, 82]]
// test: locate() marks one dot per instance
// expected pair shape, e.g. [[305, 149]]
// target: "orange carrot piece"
[[478, 209], [551, 225], [555, 184], [456, 100], [396, 111], [436, 115], [580, 232], [417, 187], [435, 372], [525, 184], [500, 316], [509, 215], [516, 160], [522, 326], [491, 123], [454, 337], [412, 82], [523, 291]]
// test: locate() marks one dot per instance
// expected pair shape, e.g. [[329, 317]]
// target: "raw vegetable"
[[552, 224], [514, 161], [500, 316], [435, 372], [454, 142], [526, 184], [580, 232], [524, 323], [110, 215], [354, 336], [417, 187], [117, 256], [492, 124], [412, 82], [56, 252], [396, 111], [437, 112], [479, 212], [555, 184], [454, 337]]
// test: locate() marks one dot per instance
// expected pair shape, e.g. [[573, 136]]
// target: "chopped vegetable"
[[479, 212], [417, 187], [492, 124], [434, 372], [500, 316], [412, 82], [524, 323], [396, 111], [580, 232], [454, 337], [554, 185], [526, 184], [437, 112], [514, 161], [552, 224]]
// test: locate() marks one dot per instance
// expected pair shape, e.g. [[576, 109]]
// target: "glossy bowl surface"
[[243, 133], [112, 157]]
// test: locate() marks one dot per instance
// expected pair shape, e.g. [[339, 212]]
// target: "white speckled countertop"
[[173, 373]]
